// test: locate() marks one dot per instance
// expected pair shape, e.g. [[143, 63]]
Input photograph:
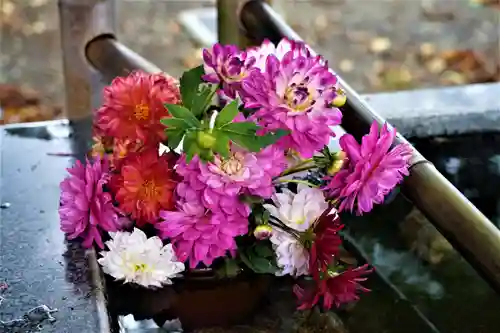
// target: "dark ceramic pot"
[[200, 299]]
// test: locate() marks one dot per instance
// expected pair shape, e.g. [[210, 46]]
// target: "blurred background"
[[376, 45]]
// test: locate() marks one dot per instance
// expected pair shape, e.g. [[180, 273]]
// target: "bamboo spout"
[[111, 58]]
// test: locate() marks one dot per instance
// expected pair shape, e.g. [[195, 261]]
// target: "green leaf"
[[178, 111], [255, 143], [231, 267], [190, 147], [245, 127], [221, 145], [263, 249], [251, 257], [246, 260], [251, 199], [227, 114], [245, 135], [270, 138], [174, 137], [206, 155], [189, 84], [262, 265], [175, 123], [202, 99]]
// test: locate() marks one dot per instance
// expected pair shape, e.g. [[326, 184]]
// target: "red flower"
[[145, 185], [134, 105], [326, 244], [121, 149], [334, 288]]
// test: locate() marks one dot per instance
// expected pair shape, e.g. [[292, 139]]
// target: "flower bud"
[[340, 99], [205, 140], [263, 231], [337, 164]]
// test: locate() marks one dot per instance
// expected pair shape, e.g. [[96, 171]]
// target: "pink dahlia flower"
[[227, 65], [85, 208], [199, 234], [223, 180], [295, 94], [273, 160], [372, 171]]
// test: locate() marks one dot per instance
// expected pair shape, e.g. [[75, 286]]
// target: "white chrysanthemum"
[[133, 257], [291, 256], [297, 211]]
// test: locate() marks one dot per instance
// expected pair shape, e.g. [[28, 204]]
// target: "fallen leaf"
[[346, 65], [380, 45], [436, 65], [426, 50], [450, 77]]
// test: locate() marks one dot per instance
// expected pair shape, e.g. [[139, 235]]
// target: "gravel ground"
[[376, 45]]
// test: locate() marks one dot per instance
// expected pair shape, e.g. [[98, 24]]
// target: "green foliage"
[[179, 112], [189, 123], [189, 85], [244, 134], [324, 160], [259, 257], [229, 269], [227, 114]]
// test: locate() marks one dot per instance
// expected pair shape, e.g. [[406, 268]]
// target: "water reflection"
[[405, 267], [472, 164], [410, 252]]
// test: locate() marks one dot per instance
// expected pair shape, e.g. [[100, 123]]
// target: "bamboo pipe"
[[463, 225], [111, 58]]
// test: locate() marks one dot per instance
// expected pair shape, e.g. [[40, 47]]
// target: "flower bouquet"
[[228, 171]]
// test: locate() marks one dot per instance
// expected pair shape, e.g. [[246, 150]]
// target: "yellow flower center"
[[141, 112], [302, 220], [233, 165], [148, 190], [140, 268], [98, 149], [298, 97]]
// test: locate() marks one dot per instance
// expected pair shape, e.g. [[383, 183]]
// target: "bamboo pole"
[[463, 225], [228, 25], [111, 58], [80, 21], [227, 22]]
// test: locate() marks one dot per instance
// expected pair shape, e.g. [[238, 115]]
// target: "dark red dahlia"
[[334, 288]]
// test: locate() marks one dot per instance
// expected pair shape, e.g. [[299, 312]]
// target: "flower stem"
[[296, 170], [277, 223], [297, 181], [304, 162]]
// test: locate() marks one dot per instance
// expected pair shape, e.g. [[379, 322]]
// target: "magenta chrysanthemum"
[[295, 93], [85, 208], [228, 66], [372, 171], [272, 160], [223, 180], [198, 234]]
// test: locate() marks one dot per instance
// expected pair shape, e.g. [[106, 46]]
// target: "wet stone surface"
[[39, 271]]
